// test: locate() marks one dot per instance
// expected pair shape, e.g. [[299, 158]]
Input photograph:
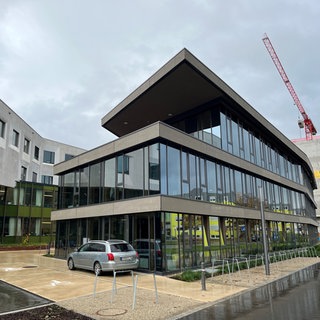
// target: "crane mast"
[[309, 128]]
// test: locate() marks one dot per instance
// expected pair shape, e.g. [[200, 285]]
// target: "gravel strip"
[[120, 306]]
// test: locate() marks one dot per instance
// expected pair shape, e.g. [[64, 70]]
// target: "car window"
[[85, 247], [121, 247], [97, 247]]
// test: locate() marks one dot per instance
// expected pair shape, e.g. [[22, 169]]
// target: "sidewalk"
[[83, 292]]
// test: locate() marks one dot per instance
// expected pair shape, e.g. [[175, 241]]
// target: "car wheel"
[[97, 269], [71, 264]]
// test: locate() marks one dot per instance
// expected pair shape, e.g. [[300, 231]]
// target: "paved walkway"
[[94, 296]]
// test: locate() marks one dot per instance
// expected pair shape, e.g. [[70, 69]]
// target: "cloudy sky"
[[65, 63]]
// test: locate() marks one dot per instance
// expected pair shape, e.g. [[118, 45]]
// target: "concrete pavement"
[[50, 278]]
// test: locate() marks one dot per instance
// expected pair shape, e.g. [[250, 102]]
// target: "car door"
[[89, 256], [79, 257], [96, 252]]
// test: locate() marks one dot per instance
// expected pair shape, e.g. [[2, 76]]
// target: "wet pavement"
[[46, 278], [13, 298], [295, 297]]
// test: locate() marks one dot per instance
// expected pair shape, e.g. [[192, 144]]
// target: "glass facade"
[[169, 242], [130, 175], [183, 174], [231, 135], [172, 241], [25, 213]]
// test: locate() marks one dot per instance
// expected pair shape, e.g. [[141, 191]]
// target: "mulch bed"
[[45, 313]]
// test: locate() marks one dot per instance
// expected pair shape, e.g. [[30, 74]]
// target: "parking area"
[[49, 278]]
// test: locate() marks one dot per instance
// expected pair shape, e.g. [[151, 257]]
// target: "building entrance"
[[147, 241]]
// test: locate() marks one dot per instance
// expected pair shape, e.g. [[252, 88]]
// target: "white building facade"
[[312, 149], [26, 176]]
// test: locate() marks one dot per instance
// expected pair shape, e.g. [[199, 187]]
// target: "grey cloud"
[[70, 62]]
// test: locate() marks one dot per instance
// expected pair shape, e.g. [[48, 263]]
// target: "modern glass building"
[[183, 182]]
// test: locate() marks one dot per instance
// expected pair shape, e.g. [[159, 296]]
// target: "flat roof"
[[181, 85]]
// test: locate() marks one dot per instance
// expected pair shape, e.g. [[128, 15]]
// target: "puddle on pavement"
[[13, 298]]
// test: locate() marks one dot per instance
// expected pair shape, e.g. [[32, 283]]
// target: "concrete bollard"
[[203, 277]]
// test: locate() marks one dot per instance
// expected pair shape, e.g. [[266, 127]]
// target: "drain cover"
[[111, 312]]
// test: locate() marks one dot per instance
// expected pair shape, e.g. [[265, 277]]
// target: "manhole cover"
[[112, 312]]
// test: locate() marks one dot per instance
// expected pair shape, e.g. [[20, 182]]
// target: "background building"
[[185, 177], [28, 188], [312, 149]]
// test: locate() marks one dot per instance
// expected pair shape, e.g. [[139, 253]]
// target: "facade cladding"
[[183, 181], [312, 149], [28, 188]]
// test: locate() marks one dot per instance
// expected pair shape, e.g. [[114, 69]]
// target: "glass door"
[[142, 240]]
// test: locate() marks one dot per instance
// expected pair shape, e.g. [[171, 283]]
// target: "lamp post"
[[264, 235]]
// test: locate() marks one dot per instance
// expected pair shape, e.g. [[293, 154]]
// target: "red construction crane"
[[307, 122]]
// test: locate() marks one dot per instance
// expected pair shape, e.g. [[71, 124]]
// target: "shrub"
[[190, 275]]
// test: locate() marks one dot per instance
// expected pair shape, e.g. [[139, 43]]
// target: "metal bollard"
[[203, 277]]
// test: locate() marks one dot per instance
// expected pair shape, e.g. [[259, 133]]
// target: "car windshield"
[[121, 247]]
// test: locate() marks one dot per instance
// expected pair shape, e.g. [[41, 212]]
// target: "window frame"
[[15, 138], [2, 128], [36, 152], [48, 157], [24, 171], [26, 146]]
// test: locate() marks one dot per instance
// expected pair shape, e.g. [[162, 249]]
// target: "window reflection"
[[221, 130], [177, 173], [173, 167], [133, 177]]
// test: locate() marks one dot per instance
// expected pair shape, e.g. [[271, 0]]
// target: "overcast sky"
[[65, 63]]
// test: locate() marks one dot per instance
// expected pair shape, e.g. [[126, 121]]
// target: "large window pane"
[[67, 190], [185, 175], [212, 185], [37, 197], [226, 190], [109, 179], [224, 142], [133, 174], [235, 138], [193, 176], [163, 169], [220, 184], [239, 189], [252, 147], [84, 184], [122, 166], [154, 169], [174, 176], [203, 179], [95, 183]]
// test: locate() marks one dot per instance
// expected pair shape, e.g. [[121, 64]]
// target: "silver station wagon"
[[100, 256]]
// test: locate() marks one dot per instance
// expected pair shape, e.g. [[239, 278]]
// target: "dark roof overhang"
[[182, 84], [179, 86]]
